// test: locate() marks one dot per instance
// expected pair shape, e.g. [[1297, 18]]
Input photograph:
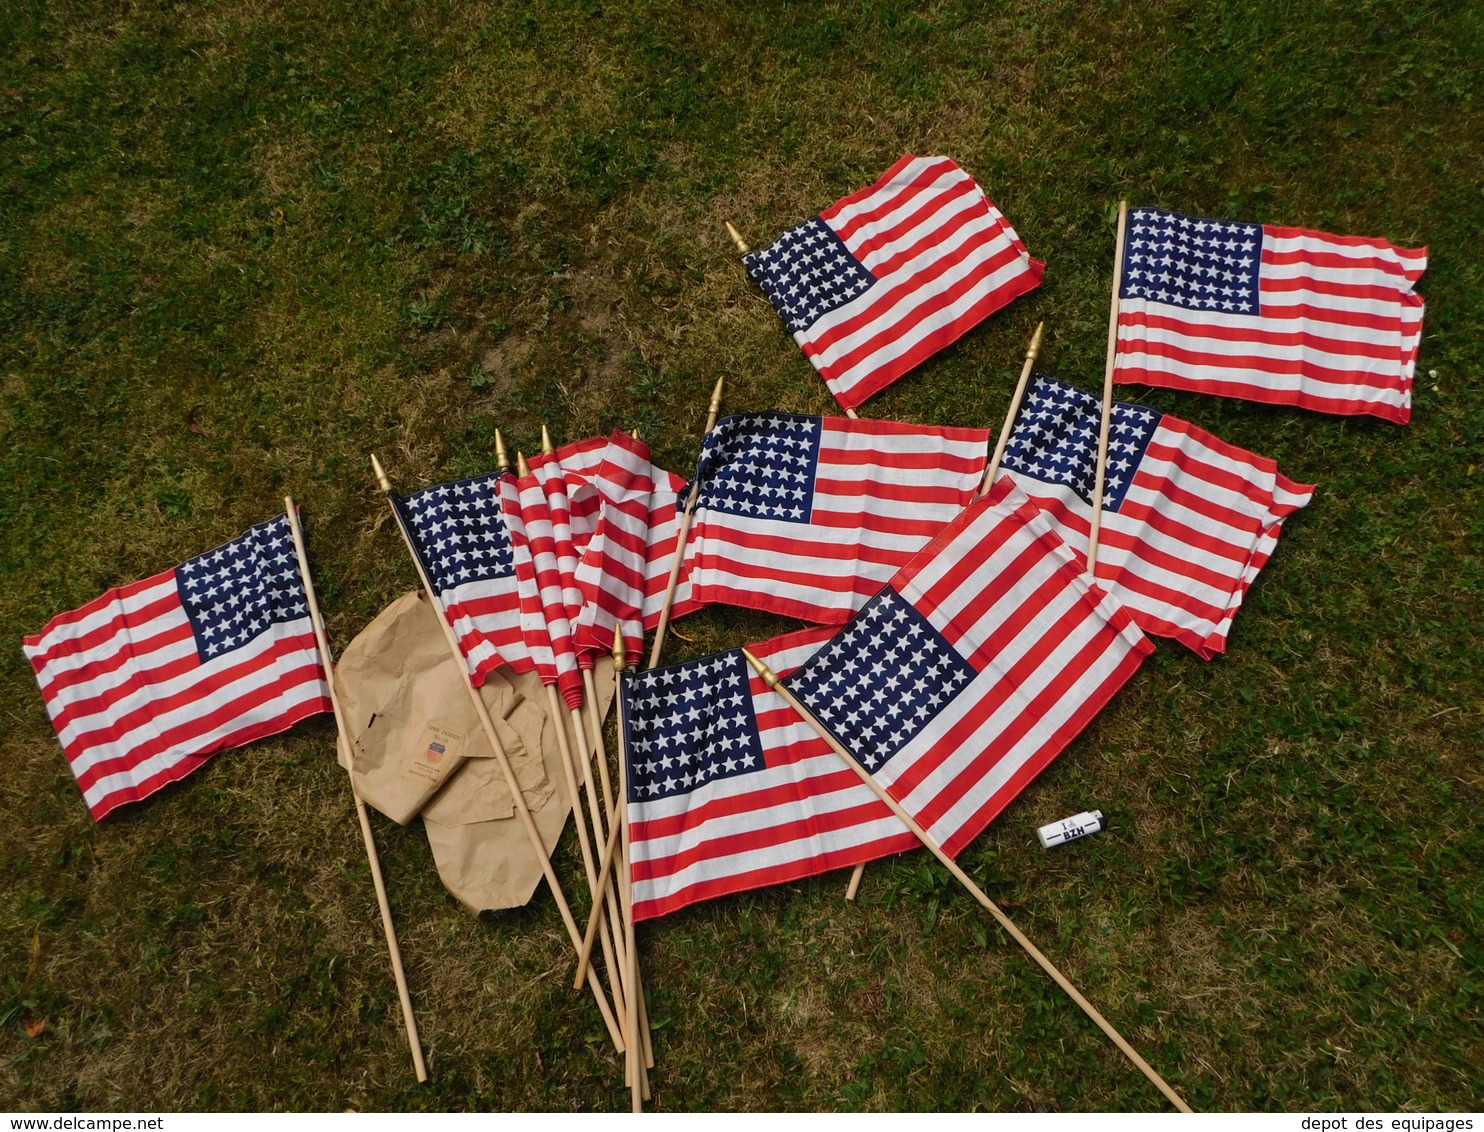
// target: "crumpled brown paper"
[[403, 693], [413, 726]]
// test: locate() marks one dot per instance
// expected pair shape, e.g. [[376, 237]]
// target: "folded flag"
[[974, 668], [730, 790], [809, 516], [555, 485], [1188, 519], [579, 461], [148, 681], [888, 276], [626, 564], [548, 633], [1286, 316], [460, 532]]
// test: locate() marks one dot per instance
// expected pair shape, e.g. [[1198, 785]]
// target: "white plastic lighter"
[[1069, 829]]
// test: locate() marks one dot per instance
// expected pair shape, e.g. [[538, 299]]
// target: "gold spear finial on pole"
[[737, 238], [620, 654], [520, 464], [634, 432], [715, 407], [1014, 410], [770, 678], [547, 447], [382, 481], [502, 457]]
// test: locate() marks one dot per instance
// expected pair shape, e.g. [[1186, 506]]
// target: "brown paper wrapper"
[[419, 748]]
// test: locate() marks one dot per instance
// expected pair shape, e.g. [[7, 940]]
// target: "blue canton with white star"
[[690, 724], [808, 272], [237, 592], [881, 679], [460, 531], [1191, 262], [761, 466], [1056, 440]]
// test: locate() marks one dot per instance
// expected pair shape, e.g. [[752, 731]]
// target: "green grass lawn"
[[241, 245]]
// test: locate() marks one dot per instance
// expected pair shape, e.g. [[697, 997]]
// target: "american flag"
[[1188, 519], [962, 679], [626, 564], [555, 485], [890, 275], [809, 516], [1286, 316], [579, 461], [464, 540], [730, 790], [148, 681], [543, 612]]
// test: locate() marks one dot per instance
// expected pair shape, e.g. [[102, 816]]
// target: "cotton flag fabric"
[[1285, 316], [460, 532], [543, 614], [625, 566], [148, 681], [888, 276], [1188, 519], [809, 516], [579, 462], [566, 544], [975, 667], [730, 790]]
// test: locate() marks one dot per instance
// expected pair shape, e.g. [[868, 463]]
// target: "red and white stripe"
[[805, 813], [554, 483], [580, 461], [666, 510], [626, 567], [543, 610], [1200, 520], [1339, 330], [137, 708], [613, 571], [944, 258], [883, 489], [1050, 648]]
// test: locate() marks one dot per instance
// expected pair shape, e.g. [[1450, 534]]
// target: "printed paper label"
[[438, 749]]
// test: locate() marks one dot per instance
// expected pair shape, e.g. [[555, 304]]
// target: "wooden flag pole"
[[605, 872], [322, 639], [617, 850], [962, 877], [538, 848], [684, 535], [614, 958], [569, 771], [620, 665], [640, 1083], [1097, 489], [1014, 411], [600, 754]]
